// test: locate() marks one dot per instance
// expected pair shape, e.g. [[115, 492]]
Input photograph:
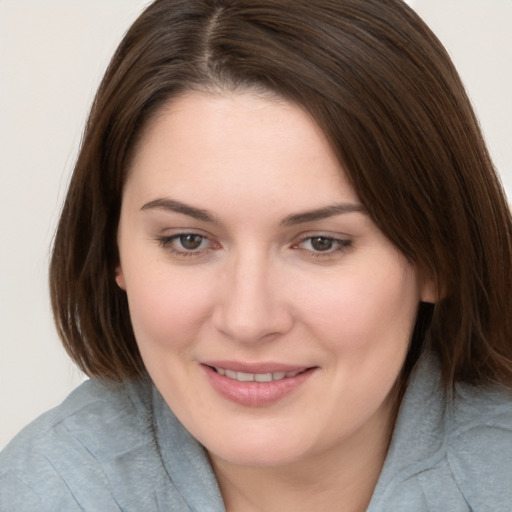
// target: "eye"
[[323, 246], [190, 241], [186, 244], [322, 243]]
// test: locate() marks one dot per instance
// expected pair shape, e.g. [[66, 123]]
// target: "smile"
[[255, 377], [263, 386]]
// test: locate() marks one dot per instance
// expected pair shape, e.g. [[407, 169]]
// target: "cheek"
[[166, 309], [365, 307]]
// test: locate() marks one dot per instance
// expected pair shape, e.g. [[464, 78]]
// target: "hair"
[[383, 90]]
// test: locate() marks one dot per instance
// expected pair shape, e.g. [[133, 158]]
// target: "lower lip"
[[255, 394]]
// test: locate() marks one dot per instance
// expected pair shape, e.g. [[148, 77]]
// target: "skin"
[[262, 287]]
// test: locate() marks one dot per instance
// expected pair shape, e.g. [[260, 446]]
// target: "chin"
[[259, 450]]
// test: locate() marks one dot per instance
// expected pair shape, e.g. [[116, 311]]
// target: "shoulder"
[[65, 454], [448, 452], [96, 410], [479, 445]]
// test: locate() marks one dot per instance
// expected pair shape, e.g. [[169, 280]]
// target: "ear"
[[429, 291], [120, 278]]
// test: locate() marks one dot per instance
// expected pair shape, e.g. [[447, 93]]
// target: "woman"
[[285, 261]]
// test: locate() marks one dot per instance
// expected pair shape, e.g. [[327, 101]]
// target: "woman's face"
[[271, 313]]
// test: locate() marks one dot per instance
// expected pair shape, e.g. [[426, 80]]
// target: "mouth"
[[255, 377], [256, 385]]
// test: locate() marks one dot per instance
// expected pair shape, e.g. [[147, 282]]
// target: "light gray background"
[[52, 55]]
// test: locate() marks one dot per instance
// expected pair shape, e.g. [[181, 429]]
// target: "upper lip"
[[263, 367]]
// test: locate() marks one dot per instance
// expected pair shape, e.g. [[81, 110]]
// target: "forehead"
[[242, 144]]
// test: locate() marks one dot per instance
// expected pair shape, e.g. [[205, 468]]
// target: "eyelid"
[[305, 235]]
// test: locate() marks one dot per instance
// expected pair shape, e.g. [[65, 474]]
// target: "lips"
[[255, 385], [255, 377]]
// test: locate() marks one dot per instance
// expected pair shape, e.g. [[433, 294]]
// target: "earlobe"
[[120, 278], [429, 292]]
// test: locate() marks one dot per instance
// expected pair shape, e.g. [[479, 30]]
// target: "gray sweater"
[[118, 447]]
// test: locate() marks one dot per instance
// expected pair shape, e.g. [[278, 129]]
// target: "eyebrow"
[[322, 213], [202, 215], [179, 207]]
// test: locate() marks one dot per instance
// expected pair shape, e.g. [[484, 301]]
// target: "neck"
[[339, 478]]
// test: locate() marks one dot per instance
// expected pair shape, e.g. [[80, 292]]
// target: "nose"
[[252, 305]]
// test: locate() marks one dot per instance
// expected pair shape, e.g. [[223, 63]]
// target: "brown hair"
[[386, 94]]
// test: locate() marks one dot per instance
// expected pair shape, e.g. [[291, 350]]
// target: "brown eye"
[[324, 246], [187, 244], [322, 243], [191, 242]]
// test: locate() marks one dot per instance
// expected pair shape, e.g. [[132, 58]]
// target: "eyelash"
[[340, 245]]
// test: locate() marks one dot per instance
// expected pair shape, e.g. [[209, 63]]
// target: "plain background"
[[52, 55]]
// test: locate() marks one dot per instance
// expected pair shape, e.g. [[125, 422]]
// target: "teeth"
[[255, 377], [245, 377], [263, 377]]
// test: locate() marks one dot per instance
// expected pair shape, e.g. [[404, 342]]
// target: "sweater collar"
[[185, 460], [418, 434]]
